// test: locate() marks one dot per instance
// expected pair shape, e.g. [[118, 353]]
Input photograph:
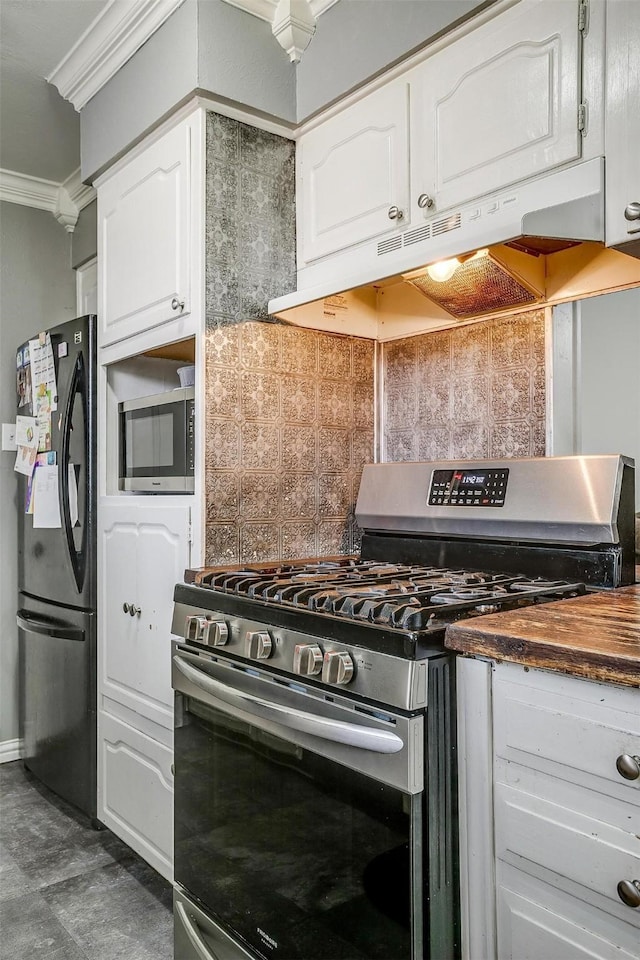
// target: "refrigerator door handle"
[[46, 628], [78, 557]]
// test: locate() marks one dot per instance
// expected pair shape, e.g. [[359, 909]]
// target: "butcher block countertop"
[[595, 636]]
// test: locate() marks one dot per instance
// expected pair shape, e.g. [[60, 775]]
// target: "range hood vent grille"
[[482, 284], [446, 224]]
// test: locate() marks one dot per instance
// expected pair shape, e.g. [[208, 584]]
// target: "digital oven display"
[[468, 488]]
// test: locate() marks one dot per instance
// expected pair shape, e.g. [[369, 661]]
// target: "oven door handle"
[[201, 950], [338, 731]]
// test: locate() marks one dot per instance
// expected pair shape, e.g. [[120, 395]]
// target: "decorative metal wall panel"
[[290, 424], [250, 220], [473, 392]]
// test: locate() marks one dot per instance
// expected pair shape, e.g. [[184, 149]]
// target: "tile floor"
[[69, 892]]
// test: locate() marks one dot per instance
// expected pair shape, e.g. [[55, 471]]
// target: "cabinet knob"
[[125, 607], [632, 211], [134, 611], [177, 304], [424, 200], [395, 213], [628, 767], [629, 892]]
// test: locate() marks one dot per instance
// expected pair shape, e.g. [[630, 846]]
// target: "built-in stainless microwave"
[[157, 442]]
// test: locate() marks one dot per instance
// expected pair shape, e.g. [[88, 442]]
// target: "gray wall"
[[161, 74], [355, 39], [240, 59], [213, 47], [37, 290], [84, 239], [608, 377]]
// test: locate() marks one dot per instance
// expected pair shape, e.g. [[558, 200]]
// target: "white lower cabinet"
[[536, 922], [564, 822], [137, 787], [144, 550]]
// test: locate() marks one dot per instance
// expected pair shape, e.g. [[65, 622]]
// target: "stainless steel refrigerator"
[[57, 576]]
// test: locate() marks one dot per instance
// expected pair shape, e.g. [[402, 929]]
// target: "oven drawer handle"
[[352, 734], [201, 950]]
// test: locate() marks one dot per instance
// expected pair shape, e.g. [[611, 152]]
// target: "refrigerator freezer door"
[[58, 699], [59, 564]]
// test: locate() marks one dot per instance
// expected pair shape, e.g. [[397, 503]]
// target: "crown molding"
[[263, 9], [107, 44], [318, 7], [63, 200]]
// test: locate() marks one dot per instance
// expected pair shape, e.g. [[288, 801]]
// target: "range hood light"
[[443, 270]]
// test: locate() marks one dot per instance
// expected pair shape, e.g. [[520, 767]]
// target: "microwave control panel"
[[468, 488]]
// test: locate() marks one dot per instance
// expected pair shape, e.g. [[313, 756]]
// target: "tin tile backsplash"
[[250, 220], [290, 423], [477, 391]]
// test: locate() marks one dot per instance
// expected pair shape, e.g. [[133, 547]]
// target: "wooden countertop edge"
[[591, 665]]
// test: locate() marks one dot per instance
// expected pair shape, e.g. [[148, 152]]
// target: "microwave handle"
[[337, 731]]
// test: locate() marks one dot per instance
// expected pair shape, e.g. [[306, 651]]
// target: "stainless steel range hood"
[[536, 217]]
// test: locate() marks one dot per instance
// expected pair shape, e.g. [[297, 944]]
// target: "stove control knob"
[[307, 659], [337, 667], [195, 627], [258, 645], [215, 633]]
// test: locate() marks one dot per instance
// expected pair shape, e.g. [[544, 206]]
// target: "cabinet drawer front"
[[502, 102], [352, 169], [572, 728], [536, 921], [135, 791], [532, 832]]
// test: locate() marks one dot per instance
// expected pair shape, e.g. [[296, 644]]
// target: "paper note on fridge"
[[43, 373], [46, 502], [27, 432]]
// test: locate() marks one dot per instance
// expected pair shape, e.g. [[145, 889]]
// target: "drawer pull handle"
[[628, 767], [629, 892]]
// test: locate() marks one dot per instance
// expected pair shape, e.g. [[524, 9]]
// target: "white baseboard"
[[10, 750]]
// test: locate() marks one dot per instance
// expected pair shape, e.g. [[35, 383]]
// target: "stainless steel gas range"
[[315, 763]]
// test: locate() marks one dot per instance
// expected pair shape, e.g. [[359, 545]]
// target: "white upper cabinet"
[[144, 239], [498, 105], [622, 124], [353, 172]]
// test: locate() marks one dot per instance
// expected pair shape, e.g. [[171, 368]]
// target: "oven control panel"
[[468, 488]]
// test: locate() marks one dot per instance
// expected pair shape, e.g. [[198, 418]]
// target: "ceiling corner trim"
[[64, 200], [263, 9], [266, 9], [111, 40], [318, 7]]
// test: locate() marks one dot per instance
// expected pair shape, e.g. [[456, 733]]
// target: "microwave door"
[[153, 446]]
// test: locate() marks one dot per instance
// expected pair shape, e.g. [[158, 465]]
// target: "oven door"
[[298, 817]]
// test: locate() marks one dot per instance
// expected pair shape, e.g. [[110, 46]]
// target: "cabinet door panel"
[[500, 104], [144, 238], [568, 844], [136, 791], [353, 168], [144, 554], [534, 923], [622, 121]]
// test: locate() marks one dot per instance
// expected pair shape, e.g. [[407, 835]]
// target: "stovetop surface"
[[402, 608]]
